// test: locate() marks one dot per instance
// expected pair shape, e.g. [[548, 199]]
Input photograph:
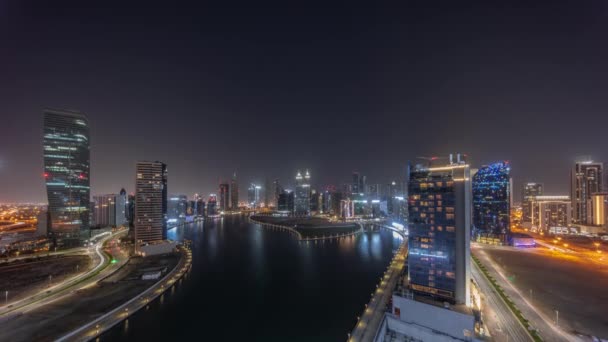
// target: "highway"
[[497, 316], [67, 286]]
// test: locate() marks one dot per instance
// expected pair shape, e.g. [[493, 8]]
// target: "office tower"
[[326, 202], [439, 236], [286, 201], [314, 201], [277, 190], [530, 190], [492, 200], [234, 193], [253, 195], [131, 210], [347, 208], [597, 208], [362, 184], [121, 208], [105, 210], [200, 207], [66, 174], [586, 179], [212, 205], [268, 194], [224, 197], [176, 207], [302, 194], [150, 202], [551, 212]]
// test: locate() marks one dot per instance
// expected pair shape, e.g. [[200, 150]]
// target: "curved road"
[[61, 289]]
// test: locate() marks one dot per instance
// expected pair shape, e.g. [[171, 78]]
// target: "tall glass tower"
[[67, 173], [439, 237], [302, 194], [491, 200]]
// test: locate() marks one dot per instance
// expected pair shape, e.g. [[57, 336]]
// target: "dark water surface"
[[249, 283]]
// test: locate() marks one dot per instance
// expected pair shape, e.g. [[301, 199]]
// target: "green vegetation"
[[507, 300]]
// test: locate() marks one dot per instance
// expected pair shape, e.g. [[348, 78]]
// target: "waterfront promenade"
[[371, 318]]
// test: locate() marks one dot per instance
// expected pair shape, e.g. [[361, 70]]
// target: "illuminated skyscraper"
[[302, 194], [550, 212], [224, 197], [586, 179], [105, 210], [254, 195], [439, 236], [67, 174], [491, 200], [234, 193], [530, 191], [150, 202]]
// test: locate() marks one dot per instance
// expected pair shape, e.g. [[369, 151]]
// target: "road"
[[96, 327], [65, 287], [497, 316], [547, 328], [368, 323]]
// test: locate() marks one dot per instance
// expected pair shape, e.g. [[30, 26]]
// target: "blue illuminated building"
[[491, 201]]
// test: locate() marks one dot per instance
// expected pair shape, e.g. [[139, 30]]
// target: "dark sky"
[[266, 88]]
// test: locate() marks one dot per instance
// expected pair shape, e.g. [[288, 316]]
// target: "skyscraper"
[[254, 195], [439, 237], [277, 190], [550, 212], [224, 197], [67, 174], [105, 210], [234, 193], [121, 208], [586, 179], [302, 194], [150, 202], [530, 191], [491, 200], [356, 182]]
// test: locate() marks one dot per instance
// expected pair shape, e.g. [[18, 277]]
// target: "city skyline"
[[341, 85]]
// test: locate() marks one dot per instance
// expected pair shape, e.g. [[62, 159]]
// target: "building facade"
[[586, 179], [439, 231], [530, 190], [150, 202], [234, 193], [551, 212], [492, 201], [67, 176], [302, 194], [224, 192]]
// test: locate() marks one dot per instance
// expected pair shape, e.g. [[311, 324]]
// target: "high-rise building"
[[224, 197], [492, 200], [354, 188], [587, 178], [286, 201], [550, 212], [597, 209], [277, 190], [67, 174], [150, 202], [439, 230], [302, 194], [121, 208], [212, 205], [530, 190], [131, 210], [105, 210], [347, 208], [234, 193], [176, 207], [253, 195]]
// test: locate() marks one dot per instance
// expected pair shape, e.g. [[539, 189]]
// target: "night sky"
[[267, 88]]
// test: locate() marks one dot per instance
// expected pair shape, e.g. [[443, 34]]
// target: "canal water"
[[253, 283]]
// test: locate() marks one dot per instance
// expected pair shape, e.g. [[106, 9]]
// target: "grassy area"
[[507, 300]]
